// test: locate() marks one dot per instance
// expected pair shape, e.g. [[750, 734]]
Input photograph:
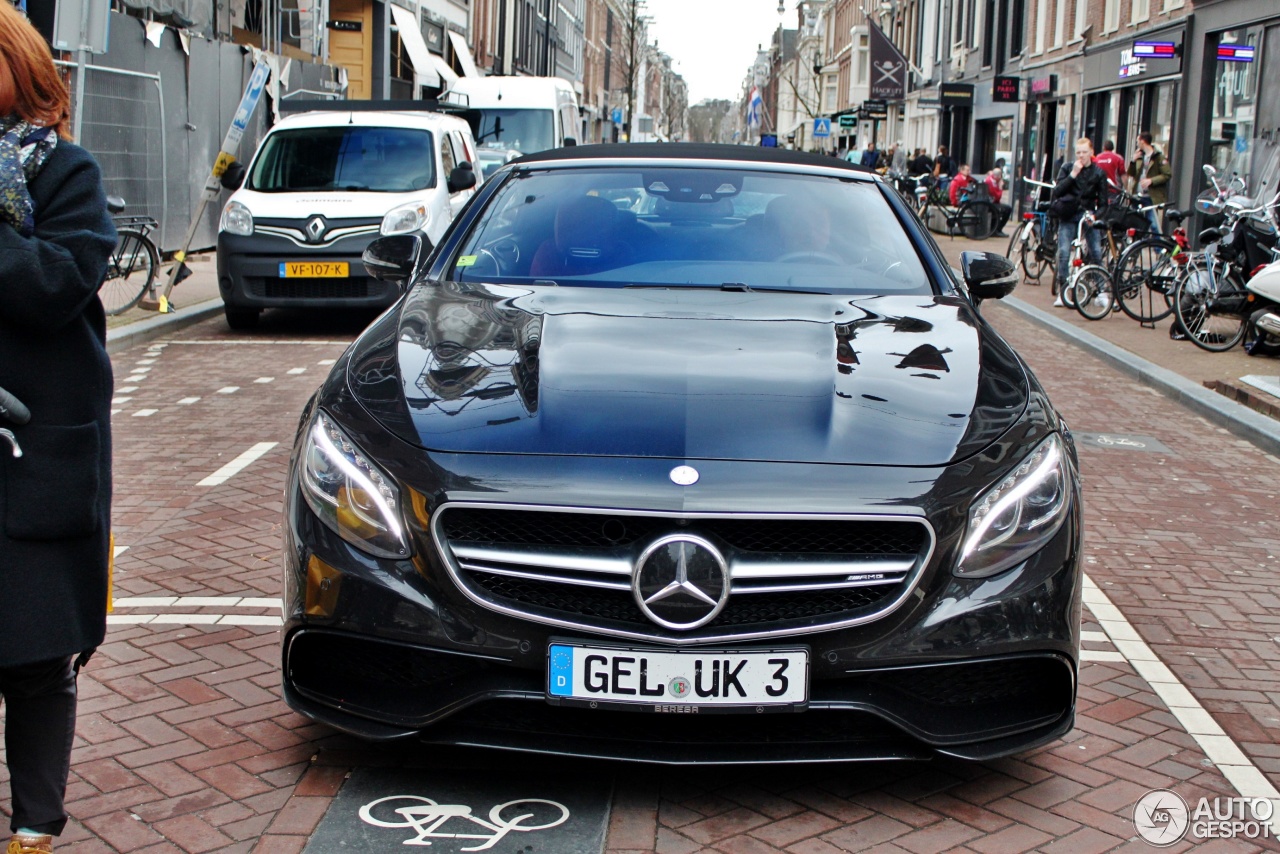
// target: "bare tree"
[[632, 26]]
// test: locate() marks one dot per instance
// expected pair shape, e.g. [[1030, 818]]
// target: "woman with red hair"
[[56, 238]]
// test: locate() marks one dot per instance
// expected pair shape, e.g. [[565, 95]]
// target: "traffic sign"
[[821, 127]]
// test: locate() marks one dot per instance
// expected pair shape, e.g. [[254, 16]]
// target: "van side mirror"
[[463, 177], [394, 258], [233, 177], [570, 140], [988, 275]]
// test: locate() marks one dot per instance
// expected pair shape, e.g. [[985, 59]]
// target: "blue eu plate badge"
[[560, 681]]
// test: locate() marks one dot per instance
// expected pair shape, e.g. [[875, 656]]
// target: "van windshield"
[[527, 131], [348, 157]]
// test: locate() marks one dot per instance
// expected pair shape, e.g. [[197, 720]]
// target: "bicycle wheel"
[[1093, 292], [1035, 259], [1145, 278], [131, 271], [1210, 303], [976, 220]]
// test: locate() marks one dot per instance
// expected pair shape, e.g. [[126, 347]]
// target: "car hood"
[[690, 374], [334, 205]]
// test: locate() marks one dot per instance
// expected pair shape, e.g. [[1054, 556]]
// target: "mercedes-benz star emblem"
[[684, 475], [681, 582], [315, 229]]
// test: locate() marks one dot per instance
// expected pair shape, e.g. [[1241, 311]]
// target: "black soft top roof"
[[686, 151]]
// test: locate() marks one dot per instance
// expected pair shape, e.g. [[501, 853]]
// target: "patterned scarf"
[[24, 148]]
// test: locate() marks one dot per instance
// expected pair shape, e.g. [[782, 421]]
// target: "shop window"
[[1232, 127]]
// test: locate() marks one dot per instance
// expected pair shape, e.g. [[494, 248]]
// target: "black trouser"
[[40, 719], [1002, 215]]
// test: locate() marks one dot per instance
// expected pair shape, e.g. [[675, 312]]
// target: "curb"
[[1237, 418], [124, 337]]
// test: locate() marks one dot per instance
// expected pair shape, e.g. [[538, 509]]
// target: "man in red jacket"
[[1111, 164], [960, 183]]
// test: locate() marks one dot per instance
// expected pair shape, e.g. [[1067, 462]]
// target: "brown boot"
[[30, 843]]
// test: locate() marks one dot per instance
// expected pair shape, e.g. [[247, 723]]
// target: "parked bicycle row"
[[1108, 254]]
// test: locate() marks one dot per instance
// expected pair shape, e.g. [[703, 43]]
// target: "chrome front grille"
[[573, 568]]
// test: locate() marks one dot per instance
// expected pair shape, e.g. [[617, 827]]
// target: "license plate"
[[684, 681], [314, 269]]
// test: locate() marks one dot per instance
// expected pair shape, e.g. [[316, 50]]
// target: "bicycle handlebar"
[[13, 409]]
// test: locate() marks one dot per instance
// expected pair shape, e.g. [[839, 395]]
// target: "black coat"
[[55, 501], [1074, 193]]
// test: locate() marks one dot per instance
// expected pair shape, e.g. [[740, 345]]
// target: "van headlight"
[[1016, 518], [406, 219], [350, 494], [236, 219]]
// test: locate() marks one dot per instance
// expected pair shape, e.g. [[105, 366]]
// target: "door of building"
[[353, 48]]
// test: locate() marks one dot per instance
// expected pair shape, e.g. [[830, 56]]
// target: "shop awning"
[[464, 55], [423, 68], [446, 72]]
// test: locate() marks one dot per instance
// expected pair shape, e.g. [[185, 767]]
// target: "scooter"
[[1262, 336]]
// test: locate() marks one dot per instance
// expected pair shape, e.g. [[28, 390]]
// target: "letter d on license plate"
[[678, 681]]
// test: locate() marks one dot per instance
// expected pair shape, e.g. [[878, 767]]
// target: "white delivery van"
[[527, 114], [321, 186]]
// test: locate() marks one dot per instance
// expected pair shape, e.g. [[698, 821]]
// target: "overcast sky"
[[712, 43]]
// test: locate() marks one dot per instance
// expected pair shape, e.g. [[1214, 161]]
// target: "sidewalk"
[[194, 299]]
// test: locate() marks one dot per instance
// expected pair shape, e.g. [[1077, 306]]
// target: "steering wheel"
[[811, 255]]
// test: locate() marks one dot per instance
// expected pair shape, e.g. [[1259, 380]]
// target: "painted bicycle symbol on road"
[[427, 818], [1119, 441]]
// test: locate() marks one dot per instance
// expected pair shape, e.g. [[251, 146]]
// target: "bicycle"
[[131, 270], [976, 219], [1097, 286], [1034, 244], [1148, 272]]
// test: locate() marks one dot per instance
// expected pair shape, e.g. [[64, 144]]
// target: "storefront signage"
[[346, 26], [1129, 65], [1235, 52], [888, 67], [848, 120], [957, 94], [1006, 90], [874, 108], [1155, 50], [1044, 85]]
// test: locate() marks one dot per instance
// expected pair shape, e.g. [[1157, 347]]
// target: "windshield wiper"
[[731, 287]]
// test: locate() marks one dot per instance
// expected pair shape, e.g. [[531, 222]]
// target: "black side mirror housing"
[[463, 177], [570, 141], [395, 258], [988, 275], [233, 177]]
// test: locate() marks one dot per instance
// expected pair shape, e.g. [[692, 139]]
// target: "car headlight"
[[1016, 517], [406, 219], [236, 219], [350, 494]]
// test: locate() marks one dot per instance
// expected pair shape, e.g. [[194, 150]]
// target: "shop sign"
[[1129, 65], [1155, 50], [957, 94], [346, 26], [874, 108], [1044, 85], [888, 67], [848, 120], [1006, 90]]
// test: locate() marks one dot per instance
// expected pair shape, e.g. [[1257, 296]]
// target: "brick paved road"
[[184, 745]]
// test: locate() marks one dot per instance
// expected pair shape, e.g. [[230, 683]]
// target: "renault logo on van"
[[315, 229]]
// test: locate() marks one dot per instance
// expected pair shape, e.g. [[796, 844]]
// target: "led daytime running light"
[[361, 472], [1024, 481]]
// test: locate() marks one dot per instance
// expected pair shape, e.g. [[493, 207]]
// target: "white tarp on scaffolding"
[[423, 68]]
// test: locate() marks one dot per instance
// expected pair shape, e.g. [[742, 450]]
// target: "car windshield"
[[526, 131], [692, 227], [348, 157]]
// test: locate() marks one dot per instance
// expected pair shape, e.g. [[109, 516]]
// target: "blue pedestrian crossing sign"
[[821, 127]]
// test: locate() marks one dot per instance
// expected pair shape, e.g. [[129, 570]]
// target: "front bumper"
[[974, 668], [249, 274]]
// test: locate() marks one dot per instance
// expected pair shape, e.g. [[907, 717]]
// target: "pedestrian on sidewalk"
[[1081, 187], [1112, 165], [55, 240], [1150, 173], [995, 186]]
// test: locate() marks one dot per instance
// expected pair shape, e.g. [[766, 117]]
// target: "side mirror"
[[463, 177], [394, 258], [1209, 171], [988, 275], [570, 141], [233, 177]]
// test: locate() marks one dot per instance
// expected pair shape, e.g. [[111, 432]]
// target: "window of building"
[[830, 91], [1232, 126], [1111, 16], [1170, 5], [1042, 22], [1082, 18], [1016, 27], [1141, 11], [1059, 22], [862, 74]]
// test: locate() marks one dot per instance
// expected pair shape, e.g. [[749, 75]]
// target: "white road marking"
[[139, 370], [185, 619], [145, 413], [124, 399], [114, 411], [1213, 740], [120, 550], [234, 467], [1096, 637], [196, 601], [135, 378], [1100, 655], [187, 401], [228, 389], [145, 362], [265, 380], [297, 370], [240, 341], [195, 619], [127, 389], [326, 361]]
